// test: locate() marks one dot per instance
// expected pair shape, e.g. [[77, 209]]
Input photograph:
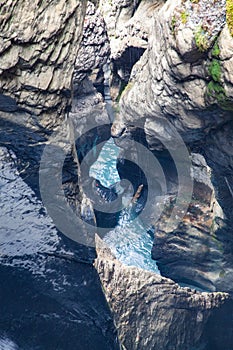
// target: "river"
[[129, 240]]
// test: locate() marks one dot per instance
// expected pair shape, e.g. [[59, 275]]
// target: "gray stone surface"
[[94, 49], [38, 49], [170, 87], [171, 79], [152, 312]]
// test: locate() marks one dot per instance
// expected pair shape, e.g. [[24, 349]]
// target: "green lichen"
[[226, 104], [229, 15], [194, 1], [128, 87], [216, 50], [216, 91], [201, 39], [215, 70], [173, 24], [122, 88], [184, 16]]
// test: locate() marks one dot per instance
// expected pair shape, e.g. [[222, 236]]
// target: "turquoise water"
[[104, 169], [129, 241]]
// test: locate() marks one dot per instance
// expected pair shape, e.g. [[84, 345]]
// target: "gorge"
[[150, 82]]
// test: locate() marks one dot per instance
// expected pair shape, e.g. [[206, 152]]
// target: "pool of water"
[[129, 240]]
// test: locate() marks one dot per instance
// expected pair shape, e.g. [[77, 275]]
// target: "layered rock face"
[[94, 49], [38, 51], [176, 76], [152, 312], [182, 86], [128, 34], [192, 252], [175, 80], [39, 45]]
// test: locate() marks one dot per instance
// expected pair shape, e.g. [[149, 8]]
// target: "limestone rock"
[[152, 312], [174, 80], [182, 86], [94, 49], [38, 51]]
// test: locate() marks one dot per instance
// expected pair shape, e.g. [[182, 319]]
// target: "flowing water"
[[129, 241]]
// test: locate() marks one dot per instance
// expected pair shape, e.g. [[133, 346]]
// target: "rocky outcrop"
[[192, 253], [94, 49], [180, 80], [128, 34], [125, 24], [152, 312], [182, 86], [38, 49], [39, 46]]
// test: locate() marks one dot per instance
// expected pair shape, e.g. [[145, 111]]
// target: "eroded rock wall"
[[174, 79], [94, 49], [152, 312], [182, 86], [39, 44], [128, 34]]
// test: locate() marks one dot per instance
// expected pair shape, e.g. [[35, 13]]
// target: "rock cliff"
[[180, 79], [128, 34], [182, 86], [182, 82], [94, 49], [39, 46]]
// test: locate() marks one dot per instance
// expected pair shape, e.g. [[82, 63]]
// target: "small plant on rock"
[[216, 50], [184, 17], [201, 39], [215, 70], [173, 24]]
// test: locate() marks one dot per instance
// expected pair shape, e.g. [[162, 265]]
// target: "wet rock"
[[173, 92], [7, 104], [51, 293], [158, 314], [194, 253]]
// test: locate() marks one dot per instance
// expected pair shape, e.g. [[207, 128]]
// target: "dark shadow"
[[66, 307]]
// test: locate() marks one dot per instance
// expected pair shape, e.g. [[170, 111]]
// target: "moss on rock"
[[216, 50], [201, 39], [216, 91], [215, 70]]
